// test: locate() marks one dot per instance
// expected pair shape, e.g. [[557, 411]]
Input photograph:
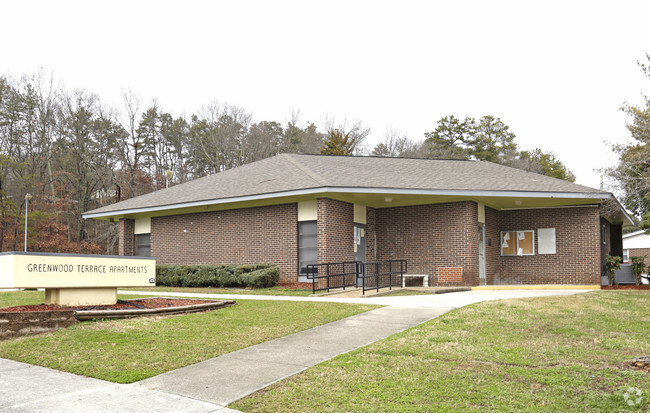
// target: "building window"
[[307, 245], [626, 255], [604, 234], [143, 245], [518, 242]]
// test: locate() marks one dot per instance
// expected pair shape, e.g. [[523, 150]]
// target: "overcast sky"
[[556, 72]]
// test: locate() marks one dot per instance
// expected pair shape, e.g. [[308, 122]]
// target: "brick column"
[[127, 239], [335, 231]]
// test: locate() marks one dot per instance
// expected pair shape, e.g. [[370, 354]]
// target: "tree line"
[[74, 153]]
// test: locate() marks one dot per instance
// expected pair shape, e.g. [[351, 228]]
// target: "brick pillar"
[[335, 231], [127, 239], [371, 235]]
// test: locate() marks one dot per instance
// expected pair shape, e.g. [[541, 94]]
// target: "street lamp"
[[168, 173], [27, 198]]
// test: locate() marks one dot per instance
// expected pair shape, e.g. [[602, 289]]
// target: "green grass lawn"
[[125, 351], [543, 354], [256, 291], [15, 298]]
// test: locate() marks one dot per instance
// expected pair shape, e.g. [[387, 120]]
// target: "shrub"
[[612, 263], [255, 276], [262, 278], [638, 265]]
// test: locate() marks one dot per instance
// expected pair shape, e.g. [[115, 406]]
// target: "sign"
[[45, 270]]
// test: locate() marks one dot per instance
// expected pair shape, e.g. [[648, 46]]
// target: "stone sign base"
[[81, 296]]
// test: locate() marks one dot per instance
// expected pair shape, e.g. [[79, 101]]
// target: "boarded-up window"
[[517, 242], [546, 241]]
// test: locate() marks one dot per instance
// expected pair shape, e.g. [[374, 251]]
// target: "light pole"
[[168, 173], [27, 198]]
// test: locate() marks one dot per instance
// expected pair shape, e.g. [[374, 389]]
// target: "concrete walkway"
[[27, 388], [210, 385], [450, 300], [232, 376]]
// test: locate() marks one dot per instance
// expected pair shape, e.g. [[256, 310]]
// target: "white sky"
[[556, 72]]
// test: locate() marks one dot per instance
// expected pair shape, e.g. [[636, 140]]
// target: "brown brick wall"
[[127, 239], [640, 252], [492, 246], [450, 274], [578, 257], [371, 235], [430, 237], [335, 231], [257, 235]]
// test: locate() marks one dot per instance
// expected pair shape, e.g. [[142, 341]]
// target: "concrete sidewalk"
[[450, 300], [232, 376], [27, 388]]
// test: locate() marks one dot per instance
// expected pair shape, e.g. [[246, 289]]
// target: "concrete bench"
[[425, 279]]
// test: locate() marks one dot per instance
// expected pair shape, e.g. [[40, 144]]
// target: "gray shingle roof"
[[289, 172]]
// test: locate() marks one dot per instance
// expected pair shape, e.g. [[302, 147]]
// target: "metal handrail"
[[338, 274], [394, 272]]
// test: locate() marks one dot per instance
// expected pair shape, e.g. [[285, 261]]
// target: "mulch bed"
[[143, 303], [626, 287]]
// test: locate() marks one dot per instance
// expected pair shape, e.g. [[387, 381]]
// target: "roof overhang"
[[615, 213], [373, 197]]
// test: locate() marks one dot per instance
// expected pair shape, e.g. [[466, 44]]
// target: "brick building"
[[459, 222], [636, 244]]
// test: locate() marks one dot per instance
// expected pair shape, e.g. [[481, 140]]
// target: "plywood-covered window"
[[518, 242]]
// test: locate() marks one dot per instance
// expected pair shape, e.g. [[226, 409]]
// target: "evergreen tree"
[[338, 143]]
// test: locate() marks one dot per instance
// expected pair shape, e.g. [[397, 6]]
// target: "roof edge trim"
[[632, 234], [330, 189]]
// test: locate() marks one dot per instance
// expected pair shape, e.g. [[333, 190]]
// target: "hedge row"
[[256, 276]]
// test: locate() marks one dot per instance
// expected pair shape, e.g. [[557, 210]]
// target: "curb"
[[84, 315]]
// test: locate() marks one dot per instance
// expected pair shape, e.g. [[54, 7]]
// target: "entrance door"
[[359, 245], [481, 255]]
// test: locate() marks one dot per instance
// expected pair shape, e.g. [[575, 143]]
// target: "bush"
[[254, 276], [638, 266], [612, 263]]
